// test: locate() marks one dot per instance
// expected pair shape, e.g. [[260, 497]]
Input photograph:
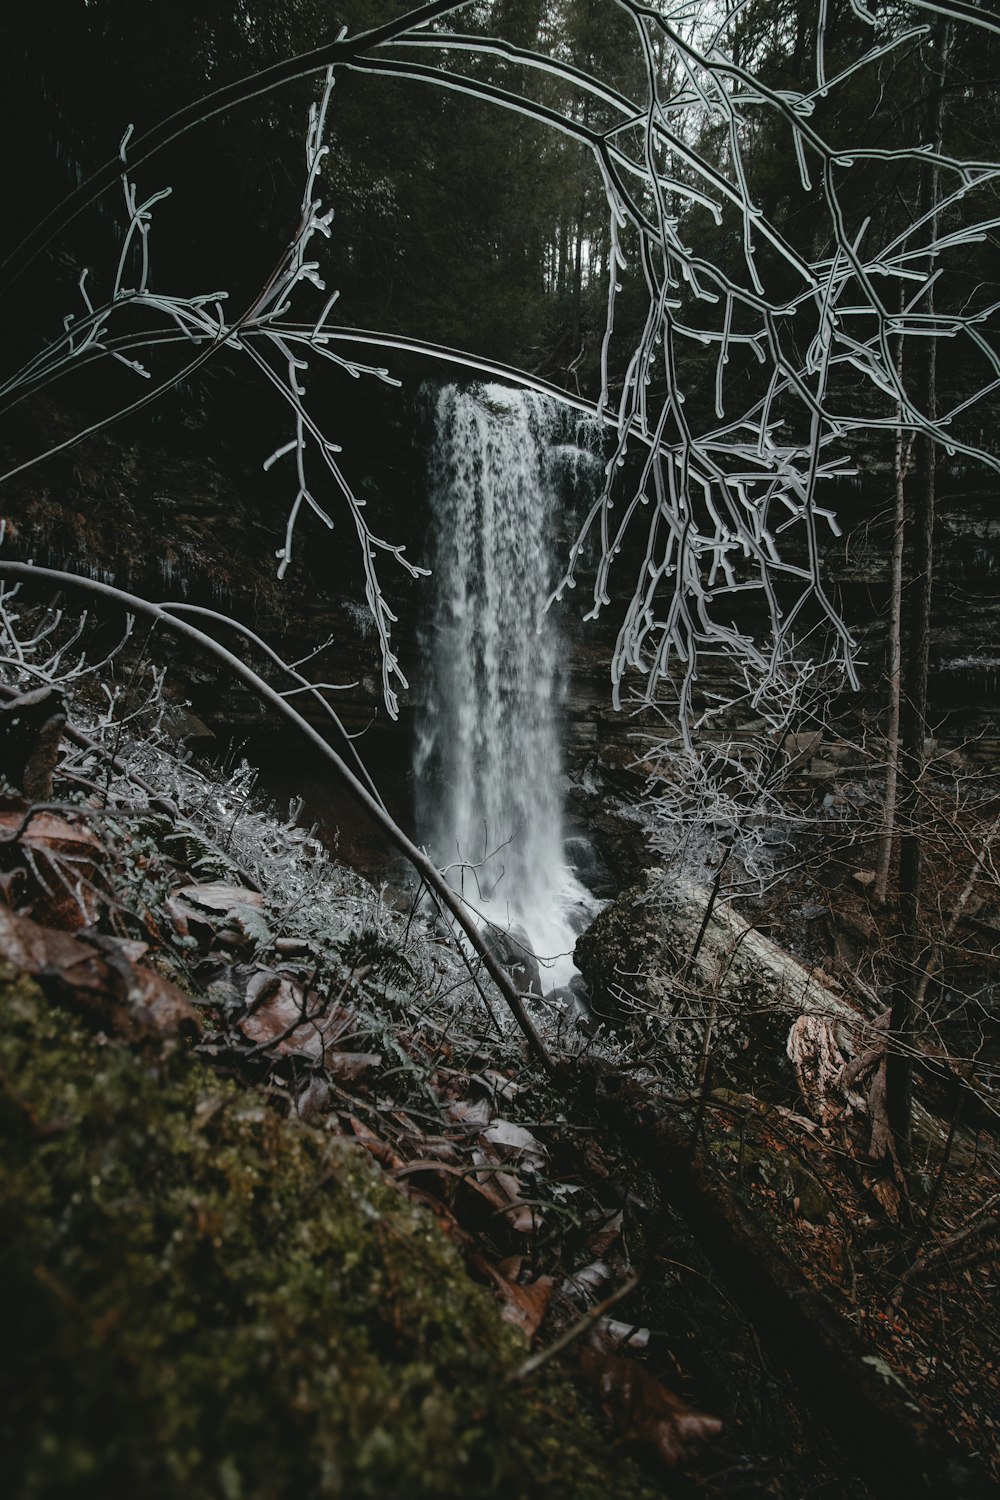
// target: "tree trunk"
[[903, 1018], [894, 1445], [894, 663]]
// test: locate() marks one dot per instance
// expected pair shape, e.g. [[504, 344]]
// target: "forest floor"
[[237, 1080]]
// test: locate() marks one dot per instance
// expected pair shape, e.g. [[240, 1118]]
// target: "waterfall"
[[488, 759]]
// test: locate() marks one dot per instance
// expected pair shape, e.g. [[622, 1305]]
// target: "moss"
[[200, 1298]]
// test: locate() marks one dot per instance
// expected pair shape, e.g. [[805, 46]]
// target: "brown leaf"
[[313, 1098], [602, 1239], [283, 1021], [217, 896], [61, 859], [524, 1219], [643, 1409], [261, 985], [348, 1067], [48, 833], [162, 1004], [56, 957], [178, 914], [380, 1149], [439, 1146], [522, 1306], [98, 975], [526, 1306]]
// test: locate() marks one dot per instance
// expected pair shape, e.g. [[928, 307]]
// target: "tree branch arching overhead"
[[715, 501]]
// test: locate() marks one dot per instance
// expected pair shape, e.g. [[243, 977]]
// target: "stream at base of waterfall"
[[488, 757]]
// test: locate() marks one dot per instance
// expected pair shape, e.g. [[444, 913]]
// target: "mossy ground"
[[198, 1297]]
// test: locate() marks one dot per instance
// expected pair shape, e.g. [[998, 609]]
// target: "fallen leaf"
[[347, 1067], [166, 1007], [608, 1335], [589, 1280], [33, 948], [441, 1147], [643, 1409], [501, 1182], [131, 949], [497, 1085], [313, 1099], [48, 831], [260, 986], [283, 1021], [515, 1138], [526, 1306], [382, 1152], [602, 1239], [60, 861], [478, 1112], [218, 896], [290, 947], [524, 1219], [178, 914], [98, 975], [522, 1306]]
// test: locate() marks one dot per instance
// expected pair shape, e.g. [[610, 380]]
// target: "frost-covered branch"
[[279, 350], [716, 502], [735, 507]]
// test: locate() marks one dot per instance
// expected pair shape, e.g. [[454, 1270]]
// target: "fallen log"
[[884, 1433]]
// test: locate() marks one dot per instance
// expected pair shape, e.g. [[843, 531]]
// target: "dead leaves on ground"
[[473, 1188], [99, 976], [273, 1016], [49, 863], [522, 1305], [642, 1409]]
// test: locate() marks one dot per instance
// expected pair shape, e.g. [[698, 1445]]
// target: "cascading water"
[[488, 758]]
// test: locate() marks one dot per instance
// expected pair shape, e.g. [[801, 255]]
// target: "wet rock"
[[741, 990], [512, 948], [573, 1005]]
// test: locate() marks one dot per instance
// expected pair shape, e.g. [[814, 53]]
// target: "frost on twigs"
[[719, 500], [732, 500], [770, 326], [279, 348], [714, 808]]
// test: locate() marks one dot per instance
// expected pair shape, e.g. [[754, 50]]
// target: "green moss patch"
[[200, 1298]]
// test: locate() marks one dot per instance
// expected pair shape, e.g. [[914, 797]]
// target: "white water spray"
[[488, 760]]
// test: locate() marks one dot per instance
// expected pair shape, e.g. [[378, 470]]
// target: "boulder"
[[512, 948], [737, 998]]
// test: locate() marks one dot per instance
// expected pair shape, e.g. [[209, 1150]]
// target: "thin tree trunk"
[[903, 1017], [894, 665]]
